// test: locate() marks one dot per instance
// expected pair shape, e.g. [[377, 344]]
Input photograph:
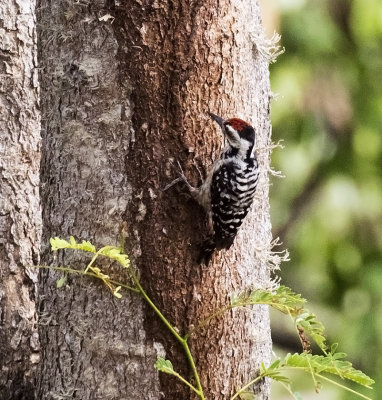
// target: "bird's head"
[[239, 134]]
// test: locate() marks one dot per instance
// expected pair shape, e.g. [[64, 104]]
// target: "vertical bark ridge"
[[20, 216]]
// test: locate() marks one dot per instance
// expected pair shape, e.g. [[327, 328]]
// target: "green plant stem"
[[293, 312], [206, 321], [81, 272], [95, 257], [245, 387], [288, 389], [193, 367], [329, 380], [218, 313], [180, 339], [312, 373], [343, 387], [180, 377], [139, 289], [154, 307]]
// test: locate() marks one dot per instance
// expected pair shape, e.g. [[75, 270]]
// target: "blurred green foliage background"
[[328, 209]]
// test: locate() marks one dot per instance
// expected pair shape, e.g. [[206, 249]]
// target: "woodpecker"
[[228, 191]]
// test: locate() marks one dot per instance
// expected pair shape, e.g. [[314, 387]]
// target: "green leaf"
[[61, 282], [57, 243], [113, 252], [86, 246], [288, 302], [333, 348], [327, 364], [248, 396], [164, 366], [283, 299], [116, 292], [314, 328], [116, 254], [72, 241], [274, 372], [273, 366]]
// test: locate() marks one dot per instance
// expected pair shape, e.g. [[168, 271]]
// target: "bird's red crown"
[[237, 124]]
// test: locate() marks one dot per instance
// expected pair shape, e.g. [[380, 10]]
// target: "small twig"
[[171, 184]]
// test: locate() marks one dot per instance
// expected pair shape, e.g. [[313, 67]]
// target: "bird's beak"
[[217, 119]]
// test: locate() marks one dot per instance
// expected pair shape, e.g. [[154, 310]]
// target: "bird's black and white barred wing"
[[232, 192]]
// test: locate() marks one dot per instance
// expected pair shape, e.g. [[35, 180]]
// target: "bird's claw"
[[181, 178]]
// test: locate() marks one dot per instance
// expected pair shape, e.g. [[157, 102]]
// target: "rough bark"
[[191, 57], [94, 345], [122, 97], [20, 216]]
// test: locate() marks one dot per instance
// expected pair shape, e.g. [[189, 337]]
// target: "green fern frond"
[[115, 253], [288, 302], [57, 244], [331, 364], [283, 299]]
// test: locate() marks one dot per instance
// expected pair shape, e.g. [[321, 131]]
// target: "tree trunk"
[[94, 345], [125, 91], [20, 216]]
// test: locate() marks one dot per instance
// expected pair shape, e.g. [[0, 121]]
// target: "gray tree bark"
[[20, 216], [125, 91]]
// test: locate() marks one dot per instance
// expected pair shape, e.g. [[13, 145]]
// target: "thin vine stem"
[[179, 338], [230, 307], [329, 380], [183, 340], [316, 386], [245, 387], [193, 367], [288, 389], [343, 387], [185, 381], [95, 257], [206, 321], [92, 274]]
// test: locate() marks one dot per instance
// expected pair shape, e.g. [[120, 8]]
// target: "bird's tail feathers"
[[207, 249]]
